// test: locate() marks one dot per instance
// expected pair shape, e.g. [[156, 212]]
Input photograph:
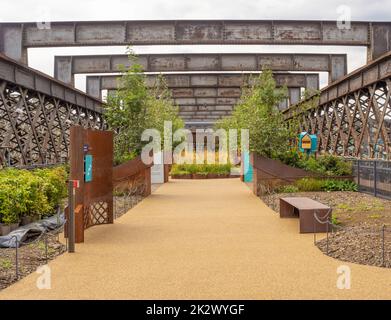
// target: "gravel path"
[[201, 239]]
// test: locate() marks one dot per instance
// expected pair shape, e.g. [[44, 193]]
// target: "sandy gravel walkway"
[[199, 240]]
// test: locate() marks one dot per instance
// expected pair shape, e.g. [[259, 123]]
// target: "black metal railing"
[[363, 244], [373, 176]]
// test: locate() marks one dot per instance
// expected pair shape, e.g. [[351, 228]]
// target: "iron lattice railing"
[[353, 115], [34, 127], [355, 125]]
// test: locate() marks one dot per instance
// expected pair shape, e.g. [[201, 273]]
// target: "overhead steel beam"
[[16, 37], [206, 98], [95, 84], [65, 67]]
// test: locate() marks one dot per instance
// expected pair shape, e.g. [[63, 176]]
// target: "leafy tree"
[[257, 111], [134, 108]]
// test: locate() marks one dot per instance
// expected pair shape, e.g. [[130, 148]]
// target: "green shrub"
[[309, 184], [339, 185], [181, 169], [290, 157], [54, 186], [30, 193], [287, 189], [327, 165], [312, 184], [334, 219]]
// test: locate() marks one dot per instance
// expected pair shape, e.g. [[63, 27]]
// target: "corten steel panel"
[[101, 186], [128, 169], [96, 197]]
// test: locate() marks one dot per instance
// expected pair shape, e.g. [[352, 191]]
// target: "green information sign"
[[88, 168]]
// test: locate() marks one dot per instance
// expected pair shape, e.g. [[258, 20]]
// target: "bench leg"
[[308, 223], [287, 210]]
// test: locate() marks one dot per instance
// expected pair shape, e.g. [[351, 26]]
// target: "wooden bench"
[[304, 209]]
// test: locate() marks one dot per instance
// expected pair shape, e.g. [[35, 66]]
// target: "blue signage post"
[[88, 168], [248, 168]]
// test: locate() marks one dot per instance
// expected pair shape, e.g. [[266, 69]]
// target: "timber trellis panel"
[[34, 125], [353, 117]]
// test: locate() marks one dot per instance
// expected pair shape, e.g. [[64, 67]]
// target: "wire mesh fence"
[[25, 257], [363, 244], [124, 201], [373, 176]]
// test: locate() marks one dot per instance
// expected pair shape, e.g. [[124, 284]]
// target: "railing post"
[[16, 258], [46, 248], [358, 174], [383, 246], [374, 178], [71, 218], [327, 241], [314, 229]]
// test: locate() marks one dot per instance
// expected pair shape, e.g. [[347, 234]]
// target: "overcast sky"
[[71, 10]]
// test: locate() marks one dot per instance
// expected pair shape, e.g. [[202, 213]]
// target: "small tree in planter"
[[134, 108], [257, 111]]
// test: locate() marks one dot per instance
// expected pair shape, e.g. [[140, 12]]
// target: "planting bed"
[[358, 220], [30, 257]]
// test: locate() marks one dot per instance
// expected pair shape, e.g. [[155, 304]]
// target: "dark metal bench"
[[305, 209]]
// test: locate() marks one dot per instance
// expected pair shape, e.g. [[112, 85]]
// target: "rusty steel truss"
[[16, 38], [36, 112], [353, 115], [65, 67]]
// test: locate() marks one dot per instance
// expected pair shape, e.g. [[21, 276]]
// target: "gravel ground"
[[359, 219], [31, 256]]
